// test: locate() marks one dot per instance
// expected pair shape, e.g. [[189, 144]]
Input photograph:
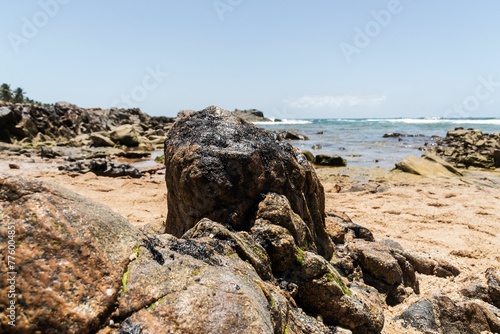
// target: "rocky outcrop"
[[466, 148], [220, 166], [261, 197], [251, 115], [65, 122], [428, 165]]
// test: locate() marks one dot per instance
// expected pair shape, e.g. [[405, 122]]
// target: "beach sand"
[[456, 219]]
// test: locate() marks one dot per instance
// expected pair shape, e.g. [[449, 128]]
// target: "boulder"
[[441, 314], [429, 165], [220, 167], [327, 160], [100, 140], [125, 135], [77, 248]]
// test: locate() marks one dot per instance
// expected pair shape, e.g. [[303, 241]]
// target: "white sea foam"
[[436, 120], [284, 121]]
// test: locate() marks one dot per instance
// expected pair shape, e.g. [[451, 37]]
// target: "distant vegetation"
[[17, 95]]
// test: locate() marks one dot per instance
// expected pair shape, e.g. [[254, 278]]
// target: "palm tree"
[[19, 95], [5, 93]]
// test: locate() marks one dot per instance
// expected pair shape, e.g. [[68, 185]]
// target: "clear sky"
[[288, 58]]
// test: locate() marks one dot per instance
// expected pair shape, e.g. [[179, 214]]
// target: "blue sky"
[[290, 59]]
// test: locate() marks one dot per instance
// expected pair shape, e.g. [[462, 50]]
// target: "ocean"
[[361, 140]]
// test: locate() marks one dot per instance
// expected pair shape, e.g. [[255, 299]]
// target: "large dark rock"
[[220, 167]]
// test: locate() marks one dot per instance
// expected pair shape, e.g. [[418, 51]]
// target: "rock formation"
[[67, 123], [465, 148], [220, 167]]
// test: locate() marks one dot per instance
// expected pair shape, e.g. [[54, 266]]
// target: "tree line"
[[17, 95]]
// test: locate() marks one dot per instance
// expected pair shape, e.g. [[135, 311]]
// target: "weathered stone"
[[219, 166], [427, 166], [70, 256], [327, 160], [421, 316], [428, 266], [246, 248], [493, 280], [322, 291], [125, 135], [193, 286], [276, 209], [100, 139], [384, 268], [441, 314]]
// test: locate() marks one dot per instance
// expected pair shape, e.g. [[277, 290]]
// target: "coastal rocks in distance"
[[65, 123], [428, 165], [102, 167], [399, 135], [466, 148]]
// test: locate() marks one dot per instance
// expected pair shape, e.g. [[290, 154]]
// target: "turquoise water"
[[361, 141]]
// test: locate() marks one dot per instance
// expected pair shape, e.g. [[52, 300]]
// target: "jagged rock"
[[465, 148], [65, 122], [246, 248], [322, 291], [219, 166], [385, 269], [77, 248], [327, 160], [276, 209]]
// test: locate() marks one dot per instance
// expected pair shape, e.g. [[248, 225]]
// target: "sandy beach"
[[455, 219]]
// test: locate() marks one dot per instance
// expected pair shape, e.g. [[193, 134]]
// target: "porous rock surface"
[[220, 166]]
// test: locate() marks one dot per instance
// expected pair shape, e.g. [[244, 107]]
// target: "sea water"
[[361, 141]]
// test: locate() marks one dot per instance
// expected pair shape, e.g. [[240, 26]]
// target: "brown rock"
[[219, 166], [70, 255]]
